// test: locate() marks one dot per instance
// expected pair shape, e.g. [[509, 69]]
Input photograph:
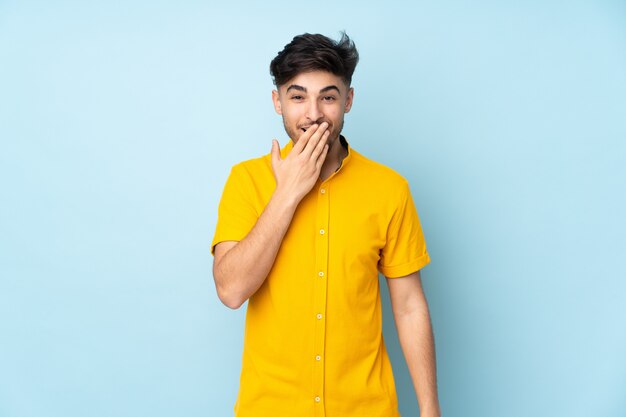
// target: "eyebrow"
[[304, 90]]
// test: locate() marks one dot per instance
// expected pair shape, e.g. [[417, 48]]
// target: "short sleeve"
[[405, 250], [236, 214]]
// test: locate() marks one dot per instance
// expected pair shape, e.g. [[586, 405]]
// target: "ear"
[[276, 100], [349, 99]]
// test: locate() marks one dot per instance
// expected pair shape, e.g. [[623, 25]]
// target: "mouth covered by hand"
[[305, 128]]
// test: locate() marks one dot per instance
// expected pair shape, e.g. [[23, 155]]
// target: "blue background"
[[119, 123]]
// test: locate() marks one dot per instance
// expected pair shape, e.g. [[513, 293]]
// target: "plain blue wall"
[[119, 123]]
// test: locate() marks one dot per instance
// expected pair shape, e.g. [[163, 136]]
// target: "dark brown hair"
[[309, 52]]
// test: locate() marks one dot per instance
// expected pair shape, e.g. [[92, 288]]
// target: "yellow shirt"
[[313, 342]]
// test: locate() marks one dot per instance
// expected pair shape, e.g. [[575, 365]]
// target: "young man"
[[302, 233]]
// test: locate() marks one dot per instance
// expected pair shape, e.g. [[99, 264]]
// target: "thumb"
[[275, 152]]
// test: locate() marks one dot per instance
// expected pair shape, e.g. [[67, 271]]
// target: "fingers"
[[319, 146], [275, 152], [320, 133], [304, 139], [320, 160]]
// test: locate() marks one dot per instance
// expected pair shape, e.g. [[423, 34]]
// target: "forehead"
[[314, 81]]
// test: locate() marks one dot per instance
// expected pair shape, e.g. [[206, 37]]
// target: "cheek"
[[289, 118], [335, 117], [292, 115]]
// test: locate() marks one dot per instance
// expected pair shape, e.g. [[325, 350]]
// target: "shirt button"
[[317, 399], [323, 190], [318, 357], [319, 316], [321, 231], [321, 273]]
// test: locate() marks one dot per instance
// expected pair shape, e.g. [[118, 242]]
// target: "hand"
[[297, 173]]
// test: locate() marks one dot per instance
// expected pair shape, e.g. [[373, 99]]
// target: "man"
[[302, 233]]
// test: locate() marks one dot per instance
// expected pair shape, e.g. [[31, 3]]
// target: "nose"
[[314, 112]]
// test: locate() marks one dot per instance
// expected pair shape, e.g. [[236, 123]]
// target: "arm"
[[412, 319], [239, 268]]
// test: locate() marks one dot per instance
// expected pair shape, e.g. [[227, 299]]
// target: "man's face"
[[313, 97]]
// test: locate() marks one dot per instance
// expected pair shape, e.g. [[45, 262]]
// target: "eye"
[[329, 98], [296, 97]]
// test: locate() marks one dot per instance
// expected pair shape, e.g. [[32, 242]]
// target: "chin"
[[332, 140]]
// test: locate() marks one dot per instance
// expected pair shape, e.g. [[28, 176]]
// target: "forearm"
[[243, 269], [418, 345]]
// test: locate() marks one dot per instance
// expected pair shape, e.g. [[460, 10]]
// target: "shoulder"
[[377, 173], [252, 166], [256, 172]]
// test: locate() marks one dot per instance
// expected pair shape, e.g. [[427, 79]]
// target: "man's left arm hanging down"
[[412, 318]]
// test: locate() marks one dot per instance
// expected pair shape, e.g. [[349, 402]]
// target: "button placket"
[[320, 287]]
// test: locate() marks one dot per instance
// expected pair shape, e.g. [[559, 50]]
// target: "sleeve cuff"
[[224, 238], [397, 271]]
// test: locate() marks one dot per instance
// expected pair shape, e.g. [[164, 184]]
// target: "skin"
[[314, 98], [312, 106], [412, 318]]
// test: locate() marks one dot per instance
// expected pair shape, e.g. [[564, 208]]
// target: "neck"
[[334, 157]]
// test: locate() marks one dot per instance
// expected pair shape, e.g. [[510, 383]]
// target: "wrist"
[[430, 412], [285, 199], [430, 409]]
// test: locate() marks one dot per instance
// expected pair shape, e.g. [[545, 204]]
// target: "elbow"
[[230, 301], [227, 296], [229, 287]]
